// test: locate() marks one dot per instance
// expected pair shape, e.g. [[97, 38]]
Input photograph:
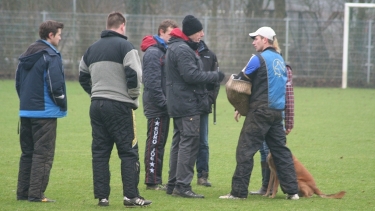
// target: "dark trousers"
[[37, 140], [157, 135], [184, 150], [259, 125], [112, 123]]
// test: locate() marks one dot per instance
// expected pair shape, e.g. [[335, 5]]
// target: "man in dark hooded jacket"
[[210, 63], [187, 99], [40, 86], [155, 103]]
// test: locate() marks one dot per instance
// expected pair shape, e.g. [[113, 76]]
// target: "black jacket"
[[210, 63], [153, 78], [186, 92]]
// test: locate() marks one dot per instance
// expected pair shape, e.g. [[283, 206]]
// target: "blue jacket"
[[40, 82], [268, 75]]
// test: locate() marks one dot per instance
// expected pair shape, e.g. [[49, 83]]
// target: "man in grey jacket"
[[187, 99], [110, 72]]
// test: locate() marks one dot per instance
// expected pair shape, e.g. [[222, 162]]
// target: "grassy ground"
[[333, 137]]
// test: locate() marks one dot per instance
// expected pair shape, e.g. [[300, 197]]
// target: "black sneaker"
[[20, 198], [103, 202], [136, 202], [186, 194], [170, 189]]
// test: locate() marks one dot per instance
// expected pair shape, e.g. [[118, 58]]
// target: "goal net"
[[357, 47]]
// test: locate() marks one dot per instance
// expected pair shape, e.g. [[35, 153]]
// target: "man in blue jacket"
[[40, 86], [267, 72], [155, 102]]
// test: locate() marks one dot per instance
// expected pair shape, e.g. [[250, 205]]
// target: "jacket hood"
[[32, 54], [177, 33], [155, 40], [147, 41]]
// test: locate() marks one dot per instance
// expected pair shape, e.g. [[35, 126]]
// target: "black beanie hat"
[[191, 25]]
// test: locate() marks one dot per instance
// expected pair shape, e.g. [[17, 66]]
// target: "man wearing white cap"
[[267, 72]]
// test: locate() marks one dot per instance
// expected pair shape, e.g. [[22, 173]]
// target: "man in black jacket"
[[155, 102], [187, 99], [210, 63]]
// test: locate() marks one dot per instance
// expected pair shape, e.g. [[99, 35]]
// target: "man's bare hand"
[[237, 115]]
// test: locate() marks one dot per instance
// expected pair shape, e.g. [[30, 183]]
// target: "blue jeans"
[[264, 150], [203, 153]]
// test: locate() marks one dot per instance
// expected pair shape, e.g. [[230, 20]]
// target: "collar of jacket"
[[51, 46], [271, 49], [111, 33], [202, 46]]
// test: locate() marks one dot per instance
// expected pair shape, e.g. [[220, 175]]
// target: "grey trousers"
[[184, 150]]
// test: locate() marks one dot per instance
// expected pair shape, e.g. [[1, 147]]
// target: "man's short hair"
[[114, 20], [49, 26], [166, 24]]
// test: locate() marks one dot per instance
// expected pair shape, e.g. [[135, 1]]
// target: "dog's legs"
[[305, 191], [270, 184], [275, 185]]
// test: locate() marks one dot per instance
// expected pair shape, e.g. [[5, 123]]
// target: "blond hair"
[[276, 45]]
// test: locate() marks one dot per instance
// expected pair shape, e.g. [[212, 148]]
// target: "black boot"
[[204, 180], [265, 179]]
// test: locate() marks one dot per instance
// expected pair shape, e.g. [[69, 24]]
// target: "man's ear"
[[50, 35]]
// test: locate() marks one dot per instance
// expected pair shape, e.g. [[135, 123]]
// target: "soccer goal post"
[[346, 38]]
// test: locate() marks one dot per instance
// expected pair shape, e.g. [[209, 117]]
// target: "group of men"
[[181, 81]]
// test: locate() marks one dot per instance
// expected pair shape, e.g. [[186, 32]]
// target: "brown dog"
[[306, 182]]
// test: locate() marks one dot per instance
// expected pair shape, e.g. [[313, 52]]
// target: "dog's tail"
[[338, 195]]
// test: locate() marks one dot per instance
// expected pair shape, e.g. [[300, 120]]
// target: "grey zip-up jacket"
[[111, 69]]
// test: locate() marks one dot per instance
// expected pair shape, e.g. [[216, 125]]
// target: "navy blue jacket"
[[153, 77], [40, 82]]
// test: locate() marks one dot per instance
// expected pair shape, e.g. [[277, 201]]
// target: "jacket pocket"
[[190, 126]]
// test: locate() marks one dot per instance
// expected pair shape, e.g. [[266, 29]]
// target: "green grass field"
[[333, 137]]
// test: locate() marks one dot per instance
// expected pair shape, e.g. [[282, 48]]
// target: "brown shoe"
[[204, 182], [156, 187]]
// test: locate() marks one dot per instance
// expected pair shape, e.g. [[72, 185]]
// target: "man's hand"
[[287, 131], [221, 76], [237, 115]]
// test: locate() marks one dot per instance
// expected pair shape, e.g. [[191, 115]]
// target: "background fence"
[[311, 46]]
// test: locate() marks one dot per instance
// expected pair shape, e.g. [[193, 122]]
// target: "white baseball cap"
[[264, 31]]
